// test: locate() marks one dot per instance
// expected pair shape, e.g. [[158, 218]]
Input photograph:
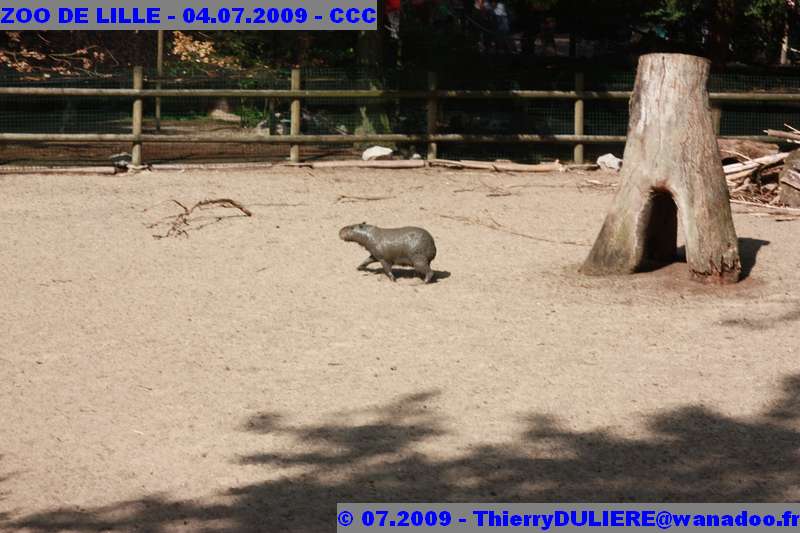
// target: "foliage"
[[188, 49], [747, 31], [23, 53]]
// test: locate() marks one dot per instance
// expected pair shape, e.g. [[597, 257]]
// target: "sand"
[[246, 377]]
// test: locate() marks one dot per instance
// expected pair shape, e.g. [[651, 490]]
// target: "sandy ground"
[[247, 378]]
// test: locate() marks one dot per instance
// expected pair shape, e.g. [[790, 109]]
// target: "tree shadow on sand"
[[693, 454], [3, 493], [748, 252]]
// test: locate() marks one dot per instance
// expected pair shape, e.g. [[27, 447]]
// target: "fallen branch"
[[780, 210], [212, 166], [736, 177], [347, 198], [518, 167], [794, 137], [496, 226], [737, 154], [477, 165], [496, 190], [180, 223], [278, 205], [746, 184], [402, 163], [753, 164], [498, 166], [581, 166], [599, 184], [795, 130]]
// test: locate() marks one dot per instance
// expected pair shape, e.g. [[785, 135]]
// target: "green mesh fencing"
[[34, 114], [331, 116]]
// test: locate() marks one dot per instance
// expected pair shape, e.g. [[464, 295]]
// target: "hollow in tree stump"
[[671, 169]]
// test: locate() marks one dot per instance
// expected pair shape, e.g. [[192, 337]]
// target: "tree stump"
[[671, 168]]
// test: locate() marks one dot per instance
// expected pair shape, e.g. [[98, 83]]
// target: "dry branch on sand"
[[498, 166], [490, 223], [774, 209], [595, 184], [493, 191], [345, 198], [179, 225]]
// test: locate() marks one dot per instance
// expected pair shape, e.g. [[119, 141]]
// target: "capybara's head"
[[355, 232]]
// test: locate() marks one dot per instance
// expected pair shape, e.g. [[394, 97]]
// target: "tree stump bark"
[[671, 169]]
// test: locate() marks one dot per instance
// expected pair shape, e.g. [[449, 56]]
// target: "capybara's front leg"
[[368, 261]]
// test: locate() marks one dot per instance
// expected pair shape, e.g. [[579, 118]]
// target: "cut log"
[[499, 166], [671, 169], [448, 163], [357, 163], [476, 165], [519, 167], [767, 160], [795, 137]]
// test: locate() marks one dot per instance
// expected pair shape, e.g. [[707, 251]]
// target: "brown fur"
[[407, 246]]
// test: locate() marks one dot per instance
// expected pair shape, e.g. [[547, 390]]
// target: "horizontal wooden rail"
[[329, 139], [305, 139], [370, 94], [754, 97], [319, 93], [431, 95]]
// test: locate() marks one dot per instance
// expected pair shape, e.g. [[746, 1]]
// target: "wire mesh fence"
[[231, 116]]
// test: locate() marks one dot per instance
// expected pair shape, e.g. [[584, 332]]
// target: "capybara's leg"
[[368, 261], [387, 267], [424, 268]]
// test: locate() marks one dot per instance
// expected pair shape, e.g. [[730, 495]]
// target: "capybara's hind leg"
[[368, 261], [387, 268], [424, 268]]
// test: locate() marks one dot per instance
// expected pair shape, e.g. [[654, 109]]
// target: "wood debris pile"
[[755, 170]]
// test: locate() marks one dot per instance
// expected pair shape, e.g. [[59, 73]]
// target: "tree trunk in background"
[[671, 169], [785, 42], [370, 43], [723, 21], [305, 41]]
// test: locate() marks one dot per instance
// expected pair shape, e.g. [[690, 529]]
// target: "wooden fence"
[[431, 96]]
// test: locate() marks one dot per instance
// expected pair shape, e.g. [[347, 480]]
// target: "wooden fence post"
[[294, 129], [160, 74], [577, 152], [433, 114], [716, 117], [136, 150]]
